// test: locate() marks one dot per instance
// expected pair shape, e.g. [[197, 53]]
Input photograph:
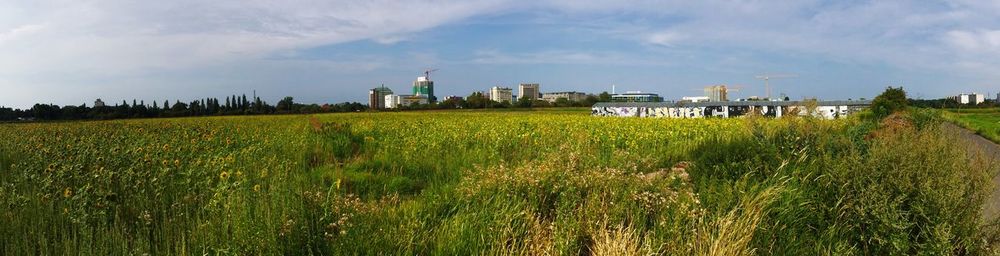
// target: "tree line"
[[234, 105]]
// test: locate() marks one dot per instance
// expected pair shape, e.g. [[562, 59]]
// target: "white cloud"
[[980, 41], [665, 38]]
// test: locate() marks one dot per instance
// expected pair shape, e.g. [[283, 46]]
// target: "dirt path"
[[977, 143]]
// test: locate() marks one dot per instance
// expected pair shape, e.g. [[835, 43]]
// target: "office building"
[[376, 97], [571, 96], [528, 91], [501, 94]]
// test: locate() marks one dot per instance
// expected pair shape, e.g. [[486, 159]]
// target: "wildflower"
[[224, 175], [256, 188], [67, 193]]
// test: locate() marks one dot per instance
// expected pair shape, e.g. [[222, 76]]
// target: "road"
[[977, 143]]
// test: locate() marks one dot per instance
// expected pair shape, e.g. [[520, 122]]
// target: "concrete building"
[[424, 86], [571, 96], [391, 101], [970, 98], [501, 94], [99, 103], [636, 96], [717, 93], [728, 109], [528, 91], [376, 97]]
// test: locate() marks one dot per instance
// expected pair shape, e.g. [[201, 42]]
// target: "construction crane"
[[767, 81], [427, 72]]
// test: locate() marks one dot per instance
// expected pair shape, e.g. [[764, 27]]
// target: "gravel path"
[[977, 143]]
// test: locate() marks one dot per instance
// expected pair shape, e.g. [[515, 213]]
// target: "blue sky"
[[71, 52]]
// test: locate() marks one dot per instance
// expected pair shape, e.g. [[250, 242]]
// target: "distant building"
[[717, 93], [452, 97], [501, 94], [636, 96], [397, 101], [571, 96], [376, 97], [696, 99], [969, 98], [528, 91], [99, 103], [391, 101], [424, 86]]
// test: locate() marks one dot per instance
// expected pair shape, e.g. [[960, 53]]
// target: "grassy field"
[[985, 122], [475, 182]]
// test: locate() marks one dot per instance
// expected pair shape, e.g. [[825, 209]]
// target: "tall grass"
[[499, 183]]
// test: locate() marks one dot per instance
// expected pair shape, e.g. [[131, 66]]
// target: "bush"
[[890, 101]]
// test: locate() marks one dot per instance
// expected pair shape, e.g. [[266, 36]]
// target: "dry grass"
[[732, 233]]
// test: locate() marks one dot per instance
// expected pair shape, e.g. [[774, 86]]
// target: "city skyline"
[[70, 53]]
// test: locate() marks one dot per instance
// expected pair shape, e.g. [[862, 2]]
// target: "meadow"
[[490, 182], [985, 122]]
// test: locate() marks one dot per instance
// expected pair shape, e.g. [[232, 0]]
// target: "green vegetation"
[[497, 182], [984, 121], [890, 101]]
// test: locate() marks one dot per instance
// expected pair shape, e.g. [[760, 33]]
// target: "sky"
[[72, 52]]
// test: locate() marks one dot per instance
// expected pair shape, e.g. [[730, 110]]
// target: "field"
[[479, 182], [985, 122]]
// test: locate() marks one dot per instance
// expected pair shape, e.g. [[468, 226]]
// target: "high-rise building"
[[376, 97], [501, 94], [424, 86], [717, 93], [528, 91]]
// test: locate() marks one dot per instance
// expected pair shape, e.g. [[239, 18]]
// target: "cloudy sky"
[[71, 52]]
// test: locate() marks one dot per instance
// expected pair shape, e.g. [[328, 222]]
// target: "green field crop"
[[488, 182], [985, 122]]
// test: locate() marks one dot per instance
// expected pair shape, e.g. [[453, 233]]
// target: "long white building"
[[727, 109]]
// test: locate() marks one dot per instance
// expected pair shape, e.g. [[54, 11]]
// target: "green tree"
[[890, 101], [604, 97], [285, 105]]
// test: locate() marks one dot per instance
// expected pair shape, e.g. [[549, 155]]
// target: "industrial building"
[[528, 91], [727, 109], [970, 98], [636, 96], [571, 96], [376, 97], [501, 94]]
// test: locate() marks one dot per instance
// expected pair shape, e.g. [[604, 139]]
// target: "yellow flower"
[[256, 188], [224, 175], [67, 193]]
